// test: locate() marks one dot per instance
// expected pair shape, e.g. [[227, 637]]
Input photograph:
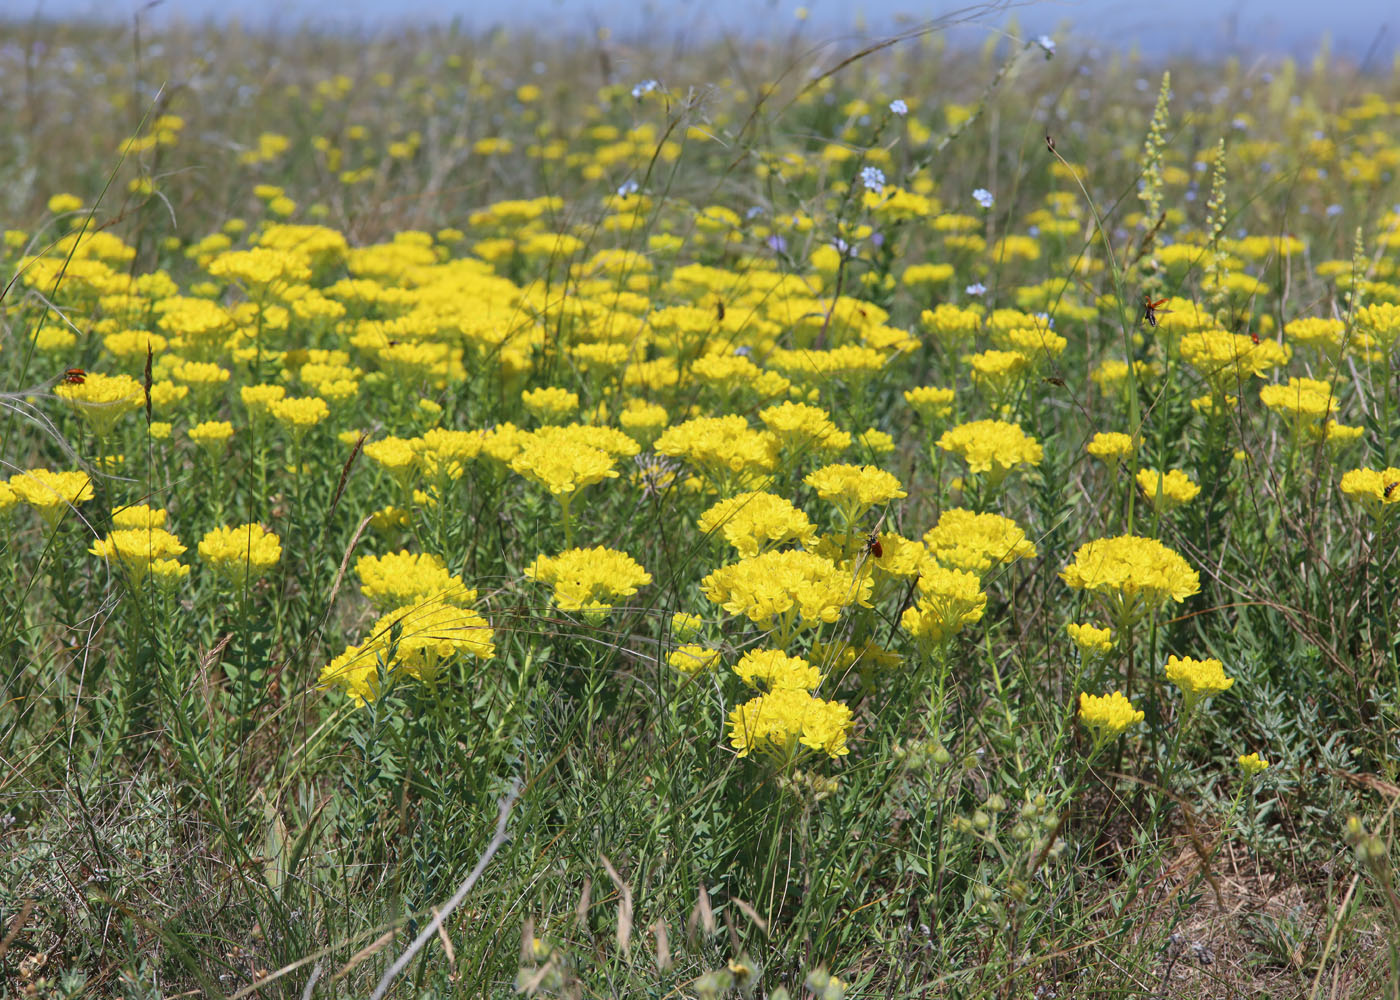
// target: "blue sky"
[[1210, 27]]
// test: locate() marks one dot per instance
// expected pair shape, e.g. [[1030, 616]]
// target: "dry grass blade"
[[624, 907], [702, 918], [16, 925], [373, 948], [497, 839]]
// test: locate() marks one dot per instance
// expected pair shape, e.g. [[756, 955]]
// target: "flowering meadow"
[[783, 518]]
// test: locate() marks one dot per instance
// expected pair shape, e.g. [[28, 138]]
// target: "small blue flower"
[[627, 187], [777, 244], [1047, 43], [873, 178], [1333, 209], [898, 107], [976, 288], [983, 197], [645, 87]]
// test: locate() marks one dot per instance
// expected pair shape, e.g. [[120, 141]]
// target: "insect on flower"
[[719, 309], [873, 546], [74, 376], [1389, 489], [1150, 309], [1254, 336]]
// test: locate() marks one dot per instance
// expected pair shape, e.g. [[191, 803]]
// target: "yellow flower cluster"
[[1377, 491], [416, 641], [723, 449], [143, 550], [854, 489], [754, 522], [1226, 360], [102, 399], [773, 670], [1253, 764], [562, 467], [1111, 446], [975, 542], [949, 599], [51, 493], [930, 402], [1306, 402], [1133, 576], [781, 723], [993, 447], [589, 580], [1168, 489], [785, 591], [405, 578], [1198, 679], [240, 553], [1091, 640], [1108, 716], [692, 658]]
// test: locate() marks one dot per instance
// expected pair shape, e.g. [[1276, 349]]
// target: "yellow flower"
[[949, 599], [977, 542], [1381, 322], [550, 404], [1378, 492], [1134, 576], [52, 493], [930, 402], [137, 549], [589, 580], [854, 489], [1108, 716], [299, 414], [1198, 679], [998, 373], [991, 446], [772, 669], [754, 522], [404, 578], [562, 467], [786, 591], [724, 449], [692, 659], [1305, 401], [415, 641], [1253, 764], [1166, 490], [1111, 446], [139, 516], [685, 626], [1091, 640], [782, 722], [1225, 360], [102, 399], [258, 399], [800, 428], [951, 324], [211, 435], [1325, 335], [396, 456], [61, 204], [238, 553]]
